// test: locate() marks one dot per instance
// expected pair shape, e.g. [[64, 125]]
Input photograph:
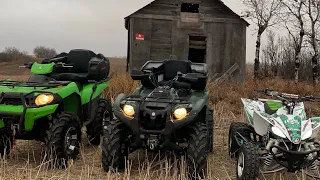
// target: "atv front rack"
[[138, 98], [33, 84]]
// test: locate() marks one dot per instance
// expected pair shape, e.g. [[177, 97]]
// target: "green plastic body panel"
[[273, 105], [87, 91], [42, 68], [31, 115], [69, 94], [62, 91], [1, 124]]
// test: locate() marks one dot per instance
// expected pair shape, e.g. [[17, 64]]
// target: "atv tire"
[[94, 129], [197, 151], [247, 162], [114, 148], [210, 123], [233, 146], [63, 139]]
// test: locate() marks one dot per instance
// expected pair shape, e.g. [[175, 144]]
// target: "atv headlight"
[[306, 135], [180, 113], [278, 132], [128, 110], [44, 99]]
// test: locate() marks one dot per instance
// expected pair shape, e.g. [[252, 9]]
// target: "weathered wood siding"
[[167, 32]]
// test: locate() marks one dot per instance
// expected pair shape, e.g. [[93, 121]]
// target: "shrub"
[[44, 52]]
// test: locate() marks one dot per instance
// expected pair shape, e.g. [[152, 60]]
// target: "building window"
[[190, 7]]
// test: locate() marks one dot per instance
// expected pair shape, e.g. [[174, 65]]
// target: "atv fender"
[[92, 90], [118, 100], [201, 100], [72, 103], [33, 114]]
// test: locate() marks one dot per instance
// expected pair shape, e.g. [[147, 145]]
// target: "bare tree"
[[264, 14], [313, 11], [294, 23], [271, 54], [44, 52]]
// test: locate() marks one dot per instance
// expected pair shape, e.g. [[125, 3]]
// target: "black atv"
[[169, 111]]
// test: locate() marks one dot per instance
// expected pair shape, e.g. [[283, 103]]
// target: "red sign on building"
[[140, 37]]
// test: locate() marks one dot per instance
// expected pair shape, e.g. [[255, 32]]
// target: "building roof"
[[145, 3]]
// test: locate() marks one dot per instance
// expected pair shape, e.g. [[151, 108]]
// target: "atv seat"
[[86, 66], [168, 69], [172, 67]]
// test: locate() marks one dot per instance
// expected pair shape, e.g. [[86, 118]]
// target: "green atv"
[[169, 111], [62, 95]]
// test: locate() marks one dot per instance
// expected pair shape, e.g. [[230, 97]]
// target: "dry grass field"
[[27, 163]]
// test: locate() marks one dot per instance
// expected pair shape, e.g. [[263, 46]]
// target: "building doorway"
[[197, 49]]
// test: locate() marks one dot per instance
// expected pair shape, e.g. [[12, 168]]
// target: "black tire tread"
[[54, 138], [233, 151], [210, 121], [251, 166], [113, 138], [94, 129], [197, 151]]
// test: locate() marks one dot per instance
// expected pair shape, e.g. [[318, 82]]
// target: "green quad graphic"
[[279, 136], [168, 112], [62, 95]]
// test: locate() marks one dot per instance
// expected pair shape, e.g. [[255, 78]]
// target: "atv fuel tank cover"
[[273, 105]]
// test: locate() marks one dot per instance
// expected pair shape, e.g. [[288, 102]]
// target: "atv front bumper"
[[24, 116], [295, 160]]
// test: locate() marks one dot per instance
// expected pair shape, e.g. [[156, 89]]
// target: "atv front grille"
[[13, 101], [8, 120], [157, 123]]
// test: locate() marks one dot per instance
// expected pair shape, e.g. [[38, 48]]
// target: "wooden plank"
[[160, 46], [162, 41], [155, 16], [197, 47], [197, 43], [227, 74]]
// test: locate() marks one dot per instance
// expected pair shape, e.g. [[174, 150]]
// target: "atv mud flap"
[[25, 117], [295, 160]]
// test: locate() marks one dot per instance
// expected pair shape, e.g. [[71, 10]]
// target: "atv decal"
[[315, 122]]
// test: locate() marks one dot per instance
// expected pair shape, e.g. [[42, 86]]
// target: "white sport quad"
[[278, 137]]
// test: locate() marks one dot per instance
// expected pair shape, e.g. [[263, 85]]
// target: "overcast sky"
[[97, 25]]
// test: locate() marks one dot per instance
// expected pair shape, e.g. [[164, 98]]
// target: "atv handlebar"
[[58, 64], [286, 96]]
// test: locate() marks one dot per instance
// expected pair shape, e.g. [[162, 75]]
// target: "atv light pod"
[[306, 135], [128, 110], [278, 132], [44, 99], [180, 113]]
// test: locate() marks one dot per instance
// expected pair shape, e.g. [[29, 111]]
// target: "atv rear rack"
[[157, 99], [33, 84]]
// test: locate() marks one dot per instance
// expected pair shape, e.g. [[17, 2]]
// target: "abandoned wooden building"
[[198, 30]]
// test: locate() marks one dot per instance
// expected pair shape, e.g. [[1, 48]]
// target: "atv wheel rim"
[[240, 165], [71, 139]]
